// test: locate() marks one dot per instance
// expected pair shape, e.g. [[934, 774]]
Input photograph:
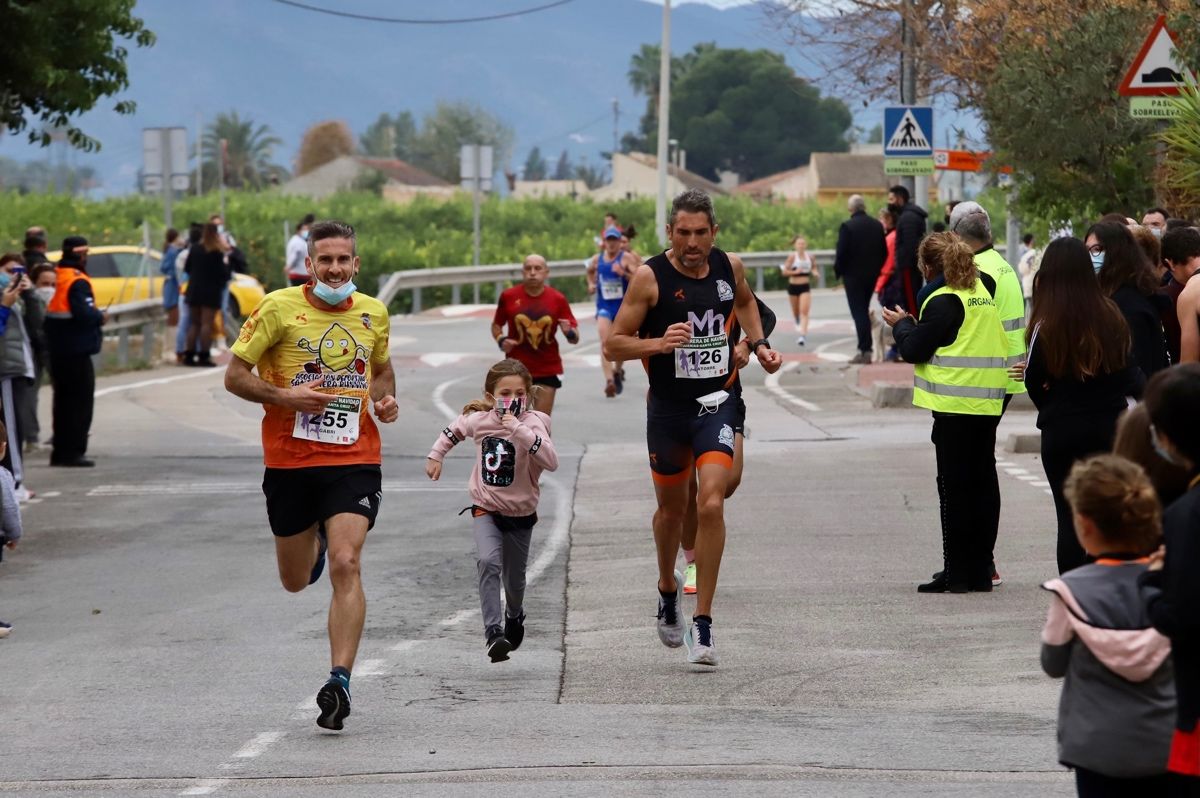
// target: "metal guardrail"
[[505, 273], [146, 315]]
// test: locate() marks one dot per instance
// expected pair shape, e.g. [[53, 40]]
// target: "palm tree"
[[248, 151]]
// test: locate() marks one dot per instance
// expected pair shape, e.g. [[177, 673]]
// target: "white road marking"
[[1016, 471], [371, 667], [1027, 477], [436, 359], [823, 350], [1040, 484], [771, 383], [459, 617], [129, 386], [439, 398], [407, 645], [260, 743]]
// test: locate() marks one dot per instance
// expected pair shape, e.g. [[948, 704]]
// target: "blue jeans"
[[181, 331]]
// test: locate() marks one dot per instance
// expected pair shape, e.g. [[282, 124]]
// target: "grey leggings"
[[501, 557]]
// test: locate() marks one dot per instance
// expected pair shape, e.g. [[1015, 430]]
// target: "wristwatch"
[[760, 342]]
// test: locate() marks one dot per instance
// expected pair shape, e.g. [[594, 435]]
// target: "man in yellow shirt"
[[321, 351]]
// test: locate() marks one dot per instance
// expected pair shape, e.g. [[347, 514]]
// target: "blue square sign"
[[908, 131]]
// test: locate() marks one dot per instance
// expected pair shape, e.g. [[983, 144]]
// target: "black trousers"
[[74, 382], [969, 495], [1090, 784], [858, 297], [1064, 442]]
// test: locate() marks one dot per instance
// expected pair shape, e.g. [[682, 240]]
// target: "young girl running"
[[1118, 698], [513, 447]]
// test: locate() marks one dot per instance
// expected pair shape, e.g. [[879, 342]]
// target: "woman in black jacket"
[[208, 271], [1079, 374], [1171, 588], [1127, 277]]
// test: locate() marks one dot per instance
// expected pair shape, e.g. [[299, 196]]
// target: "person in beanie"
[[73, 335]]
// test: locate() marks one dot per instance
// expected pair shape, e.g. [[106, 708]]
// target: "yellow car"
[[123, 274]]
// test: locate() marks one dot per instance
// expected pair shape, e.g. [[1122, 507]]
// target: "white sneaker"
[[670, 620], [701, 648], [23, 494], [800, 340]]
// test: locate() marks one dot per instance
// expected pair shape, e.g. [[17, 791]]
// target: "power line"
[[569, 131], [401, 21]]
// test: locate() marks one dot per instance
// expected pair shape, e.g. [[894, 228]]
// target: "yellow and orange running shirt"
[[293, 342]]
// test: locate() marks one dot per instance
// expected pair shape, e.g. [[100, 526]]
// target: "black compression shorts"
[[679, 434], [300, 498]]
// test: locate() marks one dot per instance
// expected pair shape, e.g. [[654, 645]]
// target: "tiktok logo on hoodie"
[[499, 458]]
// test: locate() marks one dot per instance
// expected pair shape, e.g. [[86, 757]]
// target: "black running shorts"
[[300, 498], [551, 381], [798, 289], [678, 434]]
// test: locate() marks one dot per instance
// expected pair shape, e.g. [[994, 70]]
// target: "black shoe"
[[619, 384], [189, 358], [204, 361], [940, 584], [514, 631], [497, 645], [334, 701], [78, 462], [861, 359]]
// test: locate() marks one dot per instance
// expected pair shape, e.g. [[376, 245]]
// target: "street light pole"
[[664, 105]]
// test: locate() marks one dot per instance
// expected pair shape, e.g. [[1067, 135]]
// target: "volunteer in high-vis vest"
[[73, 335], [961, 354]]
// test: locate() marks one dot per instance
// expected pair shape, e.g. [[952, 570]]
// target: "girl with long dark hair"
[[1079, 373]]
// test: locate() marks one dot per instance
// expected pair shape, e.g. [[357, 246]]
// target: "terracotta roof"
[[402, 172], [848, 170], [689, 179]]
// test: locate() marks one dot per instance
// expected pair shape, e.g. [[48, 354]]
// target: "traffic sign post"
[[475, 171], [164, 163], [908, 140], [1155, 75]]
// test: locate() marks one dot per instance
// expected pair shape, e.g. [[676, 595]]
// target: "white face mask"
[[46, 293]]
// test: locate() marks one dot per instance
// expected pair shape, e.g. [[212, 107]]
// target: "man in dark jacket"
[[861, 251], [35, 247], [73, 335], [910, 229]]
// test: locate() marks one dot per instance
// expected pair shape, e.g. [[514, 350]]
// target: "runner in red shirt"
[[533, 313]]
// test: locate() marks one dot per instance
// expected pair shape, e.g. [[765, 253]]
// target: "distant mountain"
[[552, 75]]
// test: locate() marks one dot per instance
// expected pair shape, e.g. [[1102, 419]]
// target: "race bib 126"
[[703, 357], [338, 424]]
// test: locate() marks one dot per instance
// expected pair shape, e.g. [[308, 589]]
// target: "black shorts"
[[299, 498], [796, 289], [678, 434], [550, 382], [740, 426]]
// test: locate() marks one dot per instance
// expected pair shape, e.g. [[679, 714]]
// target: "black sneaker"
[[940, 584], [514, 631], [334, 701], [319, 565], [498, 645], [619, 384]]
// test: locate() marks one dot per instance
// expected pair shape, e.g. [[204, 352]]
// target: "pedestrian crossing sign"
[[908, 131]]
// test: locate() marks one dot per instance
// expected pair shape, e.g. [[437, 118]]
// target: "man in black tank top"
[[677, 316]]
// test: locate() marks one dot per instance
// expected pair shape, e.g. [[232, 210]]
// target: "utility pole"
[[221, 173], [616, 125], [908, 74], [475, 204], [199, 154], [168, 172], [664, 105]]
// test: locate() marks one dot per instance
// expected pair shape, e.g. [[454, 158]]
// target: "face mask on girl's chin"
[[1097, 261]]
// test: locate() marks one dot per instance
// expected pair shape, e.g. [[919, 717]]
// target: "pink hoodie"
[[507, 464]]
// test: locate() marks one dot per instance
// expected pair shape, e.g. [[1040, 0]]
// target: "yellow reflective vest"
[[1010, 302], [968, 376]]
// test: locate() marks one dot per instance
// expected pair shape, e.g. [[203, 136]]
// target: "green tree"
[[248, 152], [535, 165], [643, 79], [437, 146], [59, 59], [1076, 151], [322, 143], [592, 176], [1180, 174], [390, 137], [746, 111], [563, 170]]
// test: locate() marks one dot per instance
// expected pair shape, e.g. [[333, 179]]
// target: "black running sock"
[[342, 675], [704, 618]]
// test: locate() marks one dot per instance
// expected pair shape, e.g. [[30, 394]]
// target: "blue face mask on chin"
[[333, 296], [1163, 451], [1097, 261]]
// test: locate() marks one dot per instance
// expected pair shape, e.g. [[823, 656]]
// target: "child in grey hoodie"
[[1117, 710], [512, 448], [10, 513]]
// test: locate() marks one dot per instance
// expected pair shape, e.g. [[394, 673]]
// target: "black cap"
[[71, 242]]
